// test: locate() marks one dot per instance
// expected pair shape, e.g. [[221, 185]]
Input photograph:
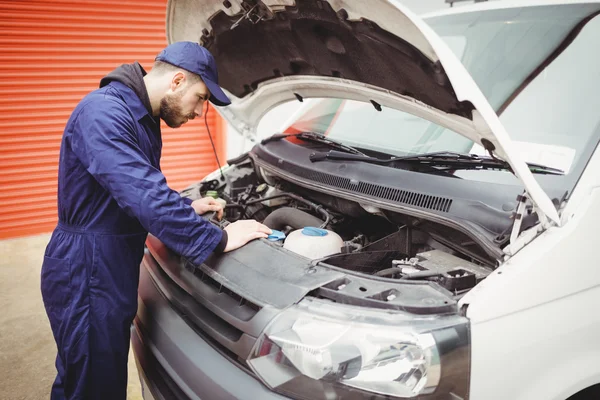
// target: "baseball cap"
[[196, 59]]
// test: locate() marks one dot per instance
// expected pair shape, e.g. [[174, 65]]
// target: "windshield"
[[554, 119]]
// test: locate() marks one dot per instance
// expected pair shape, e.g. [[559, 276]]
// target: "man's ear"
[[178, 81]]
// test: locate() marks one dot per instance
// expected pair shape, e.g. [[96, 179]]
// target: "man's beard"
[[170, 110]]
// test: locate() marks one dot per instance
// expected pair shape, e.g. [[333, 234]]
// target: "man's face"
[[183, 103]]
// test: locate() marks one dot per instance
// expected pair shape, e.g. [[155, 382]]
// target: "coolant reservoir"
[[313, 243]]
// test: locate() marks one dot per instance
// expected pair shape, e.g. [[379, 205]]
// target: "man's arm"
[[106, 144]]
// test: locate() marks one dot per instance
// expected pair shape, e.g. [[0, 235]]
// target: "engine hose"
[[314, 206], [288, 216]]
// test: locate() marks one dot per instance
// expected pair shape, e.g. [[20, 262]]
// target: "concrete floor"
[[27, 349]]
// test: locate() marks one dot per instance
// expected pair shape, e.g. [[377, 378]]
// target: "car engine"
[[340, 233]]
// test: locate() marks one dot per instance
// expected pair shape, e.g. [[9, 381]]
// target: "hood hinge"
[[519, 239]]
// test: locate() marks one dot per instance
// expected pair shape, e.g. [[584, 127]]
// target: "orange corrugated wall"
[[51, 54]]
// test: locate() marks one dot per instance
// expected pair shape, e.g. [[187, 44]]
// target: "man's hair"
[[161, 67]]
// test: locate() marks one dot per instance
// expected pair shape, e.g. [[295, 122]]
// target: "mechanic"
[[111, 193]]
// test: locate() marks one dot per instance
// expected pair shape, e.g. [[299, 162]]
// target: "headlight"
[[322, 350]]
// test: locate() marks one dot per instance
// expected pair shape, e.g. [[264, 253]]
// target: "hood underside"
[[272, 51], [312, 39]]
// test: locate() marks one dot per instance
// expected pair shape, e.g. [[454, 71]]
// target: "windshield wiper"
[[443, 158], [316, 138]]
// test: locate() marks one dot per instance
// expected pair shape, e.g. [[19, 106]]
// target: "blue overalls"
[[111, 192]]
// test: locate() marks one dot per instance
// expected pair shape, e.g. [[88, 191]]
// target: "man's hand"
[[241, 232], [206, 204]]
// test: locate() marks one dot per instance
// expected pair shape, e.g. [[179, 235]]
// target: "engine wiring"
[[316, 207]]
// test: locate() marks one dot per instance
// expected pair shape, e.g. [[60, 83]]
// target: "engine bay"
[[359, 239]]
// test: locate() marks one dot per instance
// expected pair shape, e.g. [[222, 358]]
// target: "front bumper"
[[174, 360]]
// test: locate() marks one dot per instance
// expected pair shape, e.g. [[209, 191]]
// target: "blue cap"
[[196, 59], [312, 231], [276, 235]]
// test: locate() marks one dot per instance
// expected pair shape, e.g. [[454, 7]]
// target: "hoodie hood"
[[132, 76], [372, 51]]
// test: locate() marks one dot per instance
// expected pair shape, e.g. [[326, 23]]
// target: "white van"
[[436, 201]]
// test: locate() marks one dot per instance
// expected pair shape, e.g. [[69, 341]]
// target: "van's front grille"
[[241, 302], [221, 317]]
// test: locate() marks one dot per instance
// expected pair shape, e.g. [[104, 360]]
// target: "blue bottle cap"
[[276, 235], [312, 231]]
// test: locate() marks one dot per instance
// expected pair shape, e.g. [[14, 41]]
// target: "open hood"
[[272, 51]]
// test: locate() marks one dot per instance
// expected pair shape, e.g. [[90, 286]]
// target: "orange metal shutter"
[[52, 53]]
